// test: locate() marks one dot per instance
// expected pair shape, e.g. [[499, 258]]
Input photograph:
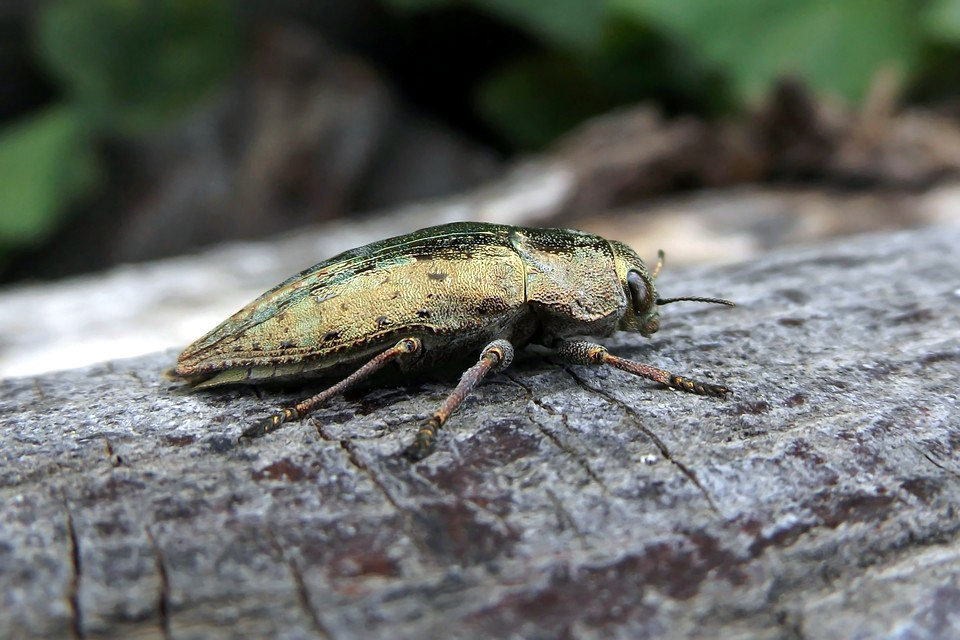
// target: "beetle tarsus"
[[425, 442], [690, 385], [272, 423], [595, 354]]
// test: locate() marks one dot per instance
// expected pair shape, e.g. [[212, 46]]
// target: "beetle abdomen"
[[457, 280]]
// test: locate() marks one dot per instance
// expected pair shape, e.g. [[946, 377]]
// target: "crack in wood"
[[938, 465], [408, 522], [349, 448], [73, 595], [354, 460], [565, 516], [163, 598], [303, 593], [664, 450], [577, 456]]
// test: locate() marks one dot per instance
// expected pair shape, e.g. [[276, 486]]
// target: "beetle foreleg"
[[405, 346], [497, 356], [590, 353]]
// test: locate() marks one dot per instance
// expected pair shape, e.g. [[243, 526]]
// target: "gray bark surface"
[[821, 500]]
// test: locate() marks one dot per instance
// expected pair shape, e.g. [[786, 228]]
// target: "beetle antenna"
[[662, 301], [656, 269]]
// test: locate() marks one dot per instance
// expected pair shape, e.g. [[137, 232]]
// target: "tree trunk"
[[820, 500]]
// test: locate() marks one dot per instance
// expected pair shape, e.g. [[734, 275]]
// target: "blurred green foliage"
[[46, 160], [942, 21], [719, 54], [125, 67], [132, 66]]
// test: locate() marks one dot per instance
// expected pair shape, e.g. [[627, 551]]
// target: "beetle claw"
[[414, 453], [424, 444], [265, 426], [690, 385], [257, 430]]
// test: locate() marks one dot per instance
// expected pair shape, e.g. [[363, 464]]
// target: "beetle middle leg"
[[405, 346], [595, 354], [497, 356]]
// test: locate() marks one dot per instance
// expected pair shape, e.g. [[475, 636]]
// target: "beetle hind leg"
[[289, 414], [497, 356], [595, 354]]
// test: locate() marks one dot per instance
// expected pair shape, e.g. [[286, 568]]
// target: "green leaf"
[[46, 162], [837, 46], [942, 20], [135, 64]]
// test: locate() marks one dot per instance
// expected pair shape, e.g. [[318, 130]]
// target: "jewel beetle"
[[419, 300]]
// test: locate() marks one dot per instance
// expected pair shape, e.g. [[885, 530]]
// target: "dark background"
[[135, 130]]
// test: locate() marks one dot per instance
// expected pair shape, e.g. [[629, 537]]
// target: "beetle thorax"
[[570, 282]]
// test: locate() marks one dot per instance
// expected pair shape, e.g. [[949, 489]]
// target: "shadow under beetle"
[[423, 298]]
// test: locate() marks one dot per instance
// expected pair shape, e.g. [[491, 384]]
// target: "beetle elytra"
[[424, 298]]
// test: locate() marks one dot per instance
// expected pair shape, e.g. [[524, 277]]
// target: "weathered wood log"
[[820, 500]]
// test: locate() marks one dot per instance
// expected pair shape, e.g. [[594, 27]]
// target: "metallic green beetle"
[[427, 297]]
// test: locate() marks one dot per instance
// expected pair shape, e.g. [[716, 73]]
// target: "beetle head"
[[642, 314]]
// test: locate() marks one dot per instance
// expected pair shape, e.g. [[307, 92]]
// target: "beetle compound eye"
[[639, 292]]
